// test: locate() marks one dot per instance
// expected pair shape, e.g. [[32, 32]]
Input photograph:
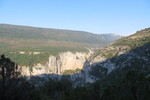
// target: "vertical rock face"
[[72, 61], [25, 70], [58, 64]]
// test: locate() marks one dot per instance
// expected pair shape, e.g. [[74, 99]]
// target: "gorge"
[[58, 69]]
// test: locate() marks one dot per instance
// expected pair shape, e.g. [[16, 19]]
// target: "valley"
[[75, 69], [117, 58], [74, 50]]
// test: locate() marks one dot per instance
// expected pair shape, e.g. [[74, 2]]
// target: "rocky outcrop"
[[137, 59], [109, 51], [58, 64]]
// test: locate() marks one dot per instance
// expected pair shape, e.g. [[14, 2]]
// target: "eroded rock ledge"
[[58, 64]]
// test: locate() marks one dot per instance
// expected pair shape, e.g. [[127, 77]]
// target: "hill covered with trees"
[[16, 32], [123, 45]]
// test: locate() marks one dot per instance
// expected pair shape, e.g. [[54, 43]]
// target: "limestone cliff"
[[58, 64]]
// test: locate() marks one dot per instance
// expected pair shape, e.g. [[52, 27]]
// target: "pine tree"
[[8, 72]]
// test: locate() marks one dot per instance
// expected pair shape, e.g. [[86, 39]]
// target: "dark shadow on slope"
[[137, 59]]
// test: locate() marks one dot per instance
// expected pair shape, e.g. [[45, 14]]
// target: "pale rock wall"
[[58, 64], [25, 70]]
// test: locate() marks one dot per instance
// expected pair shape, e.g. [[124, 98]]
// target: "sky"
[[123, 17]]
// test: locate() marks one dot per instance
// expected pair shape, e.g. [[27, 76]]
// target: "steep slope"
[[135, 40], [137, 59], [127, 53], [122, 45], [60, 64]]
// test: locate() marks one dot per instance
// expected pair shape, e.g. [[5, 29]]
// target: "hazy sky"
[[97, 16]]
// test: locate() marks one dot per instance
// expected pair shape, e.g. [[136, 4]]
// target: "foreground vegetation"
[[133, 86], [129, 83]]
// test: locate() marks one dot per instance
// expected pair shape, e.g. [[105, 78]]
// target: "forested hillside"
[[26, 32], [123, 45]]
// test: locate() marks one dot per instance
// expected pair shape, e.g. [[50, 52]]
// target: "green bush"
[[68, 72]]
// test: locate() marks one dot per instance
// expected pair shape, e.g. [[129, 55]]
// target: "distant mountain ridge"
[[27, 32]]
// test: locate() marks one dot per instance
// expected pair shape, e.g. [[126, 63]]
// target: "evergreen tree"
[[8, 73]]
